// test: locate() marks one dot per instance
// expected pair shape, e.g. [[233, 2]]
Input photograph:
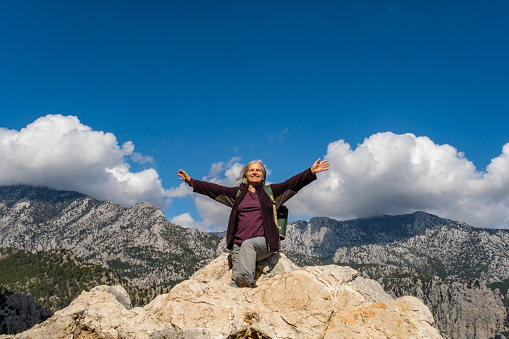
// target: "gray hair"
[[243, 174]]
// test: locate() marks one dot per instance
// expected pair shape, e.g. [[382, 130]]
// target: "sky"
[[408, 100]]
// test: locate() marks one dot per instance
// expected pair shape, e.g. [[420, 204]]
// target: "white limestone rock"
[[288, 302]]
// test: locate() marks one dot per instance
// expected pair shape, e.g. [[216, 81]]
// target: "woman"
[[252, 233]]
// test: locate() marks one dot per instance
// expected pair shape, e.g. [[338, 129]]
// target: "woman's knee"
[[263, 256]]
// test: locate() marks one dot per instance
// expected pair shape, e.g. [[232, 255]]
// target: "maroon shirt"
[[250, 219]]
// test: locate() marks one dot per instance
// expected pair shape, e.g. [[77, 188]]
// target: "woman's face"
[[254, 174]]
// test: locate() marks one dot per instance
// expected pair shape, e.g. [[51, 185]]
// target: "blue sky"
[[196, 83]]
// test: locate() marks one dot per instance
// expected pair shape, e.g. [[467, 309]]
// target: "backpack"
[[280, 214]]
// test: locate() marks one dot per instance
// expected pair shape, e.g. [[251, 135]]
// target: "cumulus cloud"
[[395, 174], [60, 152], [181, 191], [186, 220]]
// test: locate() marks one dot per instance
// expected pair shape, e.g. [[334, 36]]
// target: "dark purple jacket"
[[228, 196]]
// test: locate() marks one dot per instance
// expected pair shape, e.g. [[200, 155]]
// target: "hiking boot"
[[241, 281]]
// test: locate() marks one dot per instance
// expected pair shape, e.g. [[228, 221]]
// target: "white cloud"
[[185, 220], [394, 174], [386, 174], [214, 215], [183, 190], [141, 159], [231, 170], [281, 135], [60, 152]]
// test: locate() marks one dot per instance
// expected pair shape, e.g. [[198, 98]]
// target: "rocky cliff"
[[438, 246], [462, 309], [137, 242], [288, 302]]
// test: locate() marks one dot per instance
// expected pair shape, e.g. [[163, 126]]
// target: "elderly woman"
[[252, 233]]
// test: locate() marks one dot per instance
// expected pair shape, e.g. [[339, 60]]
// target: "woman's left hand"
[[184, 176], [320, 166]]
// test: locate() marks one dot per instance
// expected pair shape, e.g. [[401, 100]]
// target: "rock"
[[288, 302], [118, 292], [461, 309]]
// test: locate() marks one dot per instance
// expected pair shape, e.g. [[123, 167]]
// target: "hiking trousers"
[[245, 256]]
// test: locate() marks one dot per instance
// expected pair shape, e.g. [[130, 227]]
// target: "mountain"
[[322, 236], [137, 242], [19, 312], [452, 267], [430, 244]]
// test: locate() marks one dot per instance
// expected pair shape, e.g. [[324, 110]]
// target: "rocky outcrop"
[[461, 309], [288, 302]]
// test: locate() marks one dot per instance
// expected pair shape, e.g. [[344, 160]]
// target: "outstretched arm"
[[286, 190], [222, 194], [320, 166], [184, 176]]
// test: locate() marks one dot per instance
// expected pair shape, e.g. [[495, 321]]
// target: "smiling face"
[[254, 174]]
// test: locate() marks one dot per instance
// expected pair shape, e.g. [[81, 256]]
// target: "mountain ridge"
[[129, 240], [147, 249]]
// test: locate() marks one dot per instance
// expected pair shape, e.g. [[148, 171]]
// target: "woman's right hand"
[[320, 166], [184, 176]]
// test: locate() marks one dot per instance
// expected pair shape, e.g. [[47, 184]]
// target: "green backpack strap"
[[280, 214], [268, 190]]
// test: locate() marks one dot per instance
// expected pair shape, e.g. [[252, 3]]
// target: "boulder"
[[287, 302]]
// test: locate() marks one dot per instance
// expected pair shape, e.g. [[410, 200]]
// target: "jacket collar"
[[257, 187]]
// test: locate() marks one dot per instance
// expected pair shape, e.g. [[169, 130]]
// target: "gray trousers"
[[245, 256]]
